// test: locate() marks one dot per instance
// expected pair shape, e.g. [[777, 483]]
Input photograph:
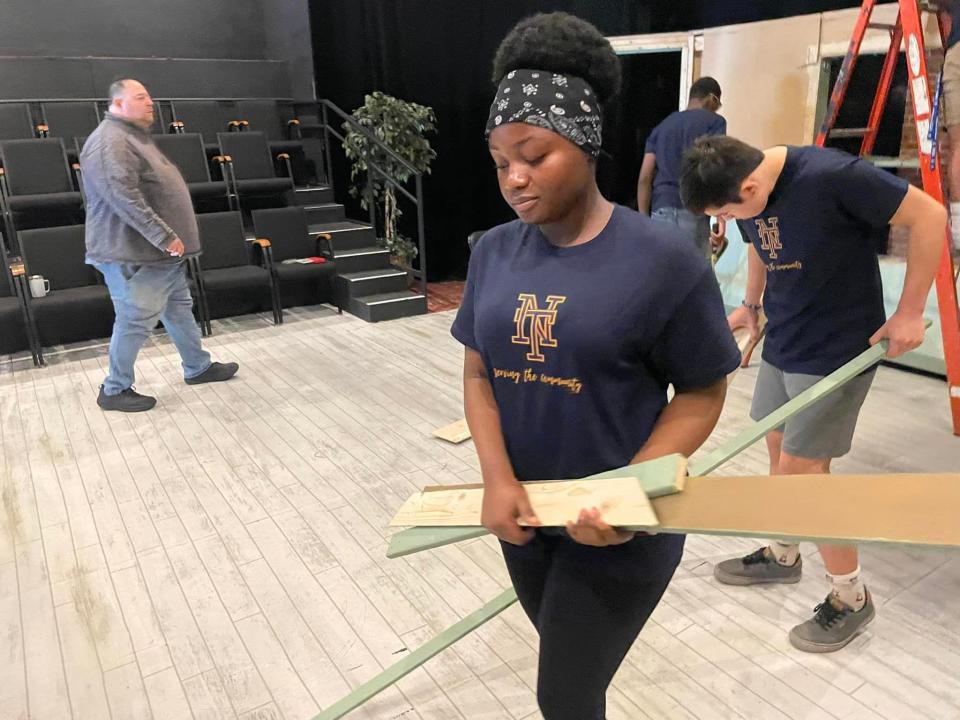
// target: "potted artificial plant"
[[401, 126]]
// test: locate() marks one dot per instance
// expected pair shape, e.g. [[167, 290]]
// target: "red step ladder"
[[907, 31]]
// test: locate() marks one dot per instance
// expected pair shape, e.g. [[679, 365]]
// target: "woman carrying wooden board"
[[576, 318]]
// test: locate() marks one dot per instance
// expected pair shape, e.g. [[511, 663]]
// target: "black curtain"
[[440, 54], [672, 15]]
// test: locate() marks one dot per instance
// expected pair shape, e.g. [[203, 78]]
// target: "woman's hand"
[[505, 505], [590, 529]]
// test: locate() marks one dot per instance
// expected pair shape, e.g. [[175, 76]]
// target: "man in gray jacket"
[[140, 230]]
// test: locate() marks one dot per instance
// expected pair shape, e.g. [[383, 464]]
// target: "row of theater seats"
[[69, 119], [233, 276], [39, 188]]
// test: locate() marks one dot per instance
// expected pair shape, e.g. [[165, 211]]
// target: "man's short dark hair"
[[713, 169], [704, 88]]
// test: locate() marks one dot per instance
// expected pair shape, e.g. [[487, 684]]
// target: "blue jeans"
[[694, 227], [142, 295]]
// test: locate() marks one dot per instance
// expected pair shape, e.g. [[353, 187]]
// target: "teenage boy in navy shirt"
[[658, 188], [812, 217]]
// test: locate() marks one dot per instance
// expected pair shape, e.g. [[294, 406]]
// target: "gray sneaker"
[[759, 567], [833, 625]]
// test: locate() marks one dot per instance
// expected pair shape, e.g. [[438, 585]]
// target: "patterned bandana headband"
[[562, 103]]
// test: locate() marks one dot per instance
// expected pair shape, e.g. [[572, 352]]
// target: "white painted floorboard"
[[223, 555]]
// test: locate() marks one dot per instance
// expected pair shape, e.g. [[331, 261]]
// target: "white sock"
[[849, 589], [784, 553], [955, 223]]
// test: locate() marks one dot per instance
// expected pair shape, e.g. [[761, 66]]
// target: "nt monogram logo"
[[769, 232], [535, 324]]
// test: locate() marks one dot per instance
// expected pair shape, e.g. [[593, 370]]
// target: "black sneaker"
[[217, 372], [128, 400]]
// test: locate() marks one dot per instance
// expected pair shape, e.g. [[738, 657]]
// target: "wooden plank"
[[85, 686], [13, 681], [621, 500], [456, 432], [419, 656], [166, 696], [126, 693], [407, 542], [909, 508], [659, 477], [741, 336]]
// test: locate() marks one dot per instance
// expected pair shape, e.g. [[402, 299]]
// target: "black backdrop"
[[439, 53]]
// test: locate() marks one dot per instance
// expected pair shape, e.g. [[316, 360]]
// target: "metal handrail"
[[416, 197]]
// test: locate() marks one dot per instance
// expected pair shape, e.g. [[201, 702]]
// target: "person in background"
[[658, 188], [812, 216], [140, 230], [951, 113]]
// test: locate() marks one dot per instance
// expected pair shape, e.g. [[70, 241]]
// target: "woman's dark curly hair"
[[561, 43]]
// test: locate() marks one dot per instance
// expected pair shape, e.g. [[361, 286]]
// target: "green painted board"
[[419, 656], [415, 539], [412, 540], [751, 434]]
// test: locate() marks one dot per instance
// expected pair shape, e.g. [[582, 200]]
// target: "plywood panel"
[[760, 67], [621, 501], [908, 508]]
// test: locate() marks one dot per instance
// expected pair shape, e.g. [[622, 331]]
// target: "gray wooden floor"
[[223, 555]]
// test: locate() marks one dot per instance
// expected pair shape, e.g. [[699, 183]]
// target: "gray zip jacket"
[[137, 201]]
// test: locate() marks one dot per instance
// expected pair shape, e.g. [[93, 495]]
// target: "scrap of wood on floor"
[[456, 432]]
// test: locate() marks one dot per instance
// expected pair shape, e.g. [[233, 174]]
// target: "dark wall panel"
[[84, 78], [286, 25], [199, 78], [171, 28], [64, 48], [45, 77]]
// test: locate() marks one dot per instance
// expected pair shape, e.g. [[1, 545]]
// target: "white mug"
[[39, 286]]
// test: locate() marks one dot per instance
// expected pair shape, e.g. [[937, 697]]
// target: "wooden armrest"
[[75, 166], [17, 269], [223, 159], [262, 242], [233, 123], [283, 156], [43, 128], [2, 172], [294, 121], [323, 236]]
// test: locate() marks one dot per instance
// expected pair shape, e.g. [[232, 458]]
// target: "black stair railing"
[[326, 109]]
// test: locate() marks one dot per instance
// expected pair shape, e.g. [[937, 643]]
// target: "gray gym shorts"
[[823, 430]]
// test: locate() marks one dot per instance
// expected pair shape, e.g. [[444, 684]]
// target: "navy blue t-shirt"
[[668, 141], [580, 343], [954, 23], [818, 238]]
